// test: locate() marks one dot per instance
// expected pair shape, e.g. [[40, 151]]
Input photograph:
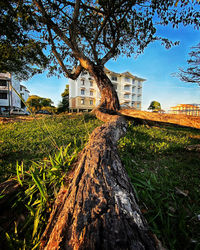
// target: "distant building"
[[24, 92], [186, 109], [8, 97], [85, 95]]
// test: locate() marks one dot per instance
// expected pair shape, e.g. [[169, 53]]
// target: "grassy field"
[[164, 168], [162, 163], [37, 139]]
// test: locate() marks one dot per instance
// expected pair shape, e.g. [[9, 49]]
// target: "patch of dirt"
[[183, 120], [13, 119]]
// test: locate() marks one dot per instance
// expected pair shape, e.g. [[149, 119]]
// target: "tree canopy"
[[20, 54], [94, 30], [36, 103], [154, 106], [85, 34], [192, 73]]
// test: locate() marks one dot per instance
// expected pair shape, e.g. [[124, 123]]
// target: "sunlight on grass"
[[159, 164]]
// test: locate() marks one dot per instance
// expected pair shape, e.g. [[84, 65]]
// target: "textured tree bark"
[[109, 98], [98, 209]]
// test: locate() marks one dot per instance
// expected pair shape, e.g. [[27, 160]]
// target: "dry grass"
[[183, 120]]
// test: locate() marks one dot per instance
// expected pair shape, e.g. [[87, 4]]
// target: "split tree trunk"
[[98, 209]]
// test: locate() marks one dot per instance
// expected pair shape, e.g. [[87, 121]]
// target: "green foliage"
[[20, 55], [155, 106], [36, 103], [159, 165], [94, 30], [41, 183], [64, 104], [66, 92]]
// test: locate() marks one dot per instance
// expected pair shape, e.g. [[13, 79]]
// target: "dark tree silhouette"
[[192, 73]]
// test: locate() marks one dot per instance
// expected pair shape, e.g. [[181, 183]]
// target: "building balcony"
[[127, 90], [139, 86], [127, 84], [128, 98], [4, 88]]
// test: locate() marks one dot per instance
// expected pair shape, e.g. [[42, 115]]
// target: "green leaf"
[[36, 221], [39, 185], [18, 175]]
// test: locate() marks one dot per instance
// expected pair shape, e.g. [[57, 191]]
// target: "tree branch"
[[68, 73], [47, 20]]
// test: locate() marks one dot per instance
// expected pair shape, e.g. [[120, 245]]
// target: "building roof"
[[127, 73], [25, 88], [5, 76], [186, 106]]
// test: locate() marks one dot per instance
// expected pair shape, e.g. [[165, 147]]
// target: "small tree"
[[154, 106], [36, 103], [64, 104], [192, 73]]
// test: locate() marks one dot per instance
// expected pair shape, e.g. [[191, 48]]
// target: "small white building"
[[8, 97], [24, 92], [84, 94]]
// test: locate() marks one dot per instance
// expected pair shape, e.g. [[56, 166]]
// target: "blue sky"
[[156, 65]]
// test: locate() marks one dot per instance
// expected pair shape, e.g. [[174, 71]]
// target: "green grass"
[[39, 153], [159, 165], [157, 160], [34, 140]]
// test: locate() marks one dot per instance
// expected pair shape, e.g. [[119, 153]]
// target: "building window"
[[3, 96], [82, 82], [126, 96], [126, 87], [127, 79], [115, 86], [82, 101], [91, 102], [91, 93], [3, 83], [82, 92], [114, 78], [91, 84], [133, 81]]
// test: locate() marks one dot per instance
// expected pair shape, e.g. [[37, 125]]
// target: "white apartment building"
[[8, 97], [84, 94]]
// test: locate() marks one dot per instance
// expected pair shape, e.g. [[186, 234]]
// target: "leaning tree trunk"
[[98, 209], [109, 98]]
